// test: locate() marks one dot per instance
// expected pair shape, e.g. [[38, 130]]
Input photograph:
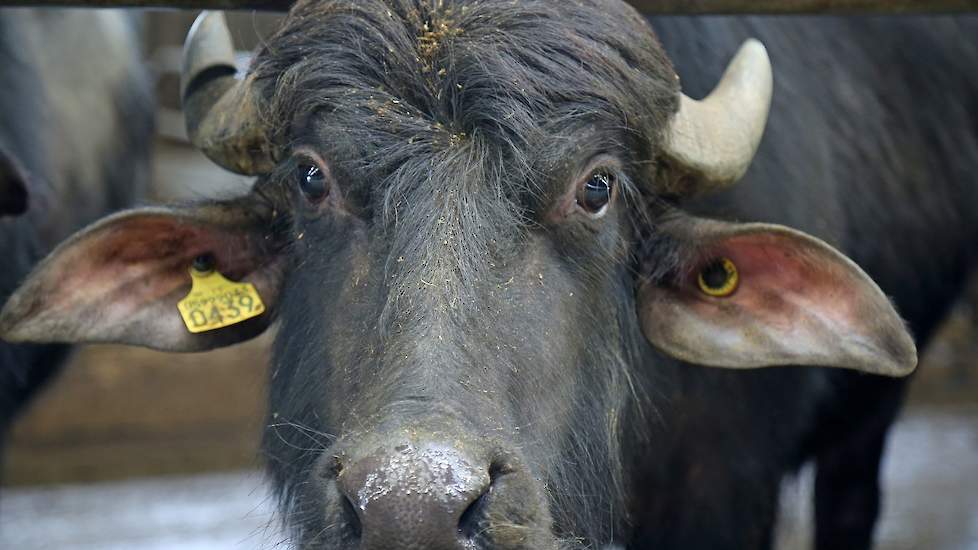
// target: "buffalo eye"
[[595, 194], [312, 181]]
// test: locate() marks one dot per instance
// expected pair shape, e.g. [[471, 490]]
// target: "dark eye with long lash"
[[595, 193], [312, 181]]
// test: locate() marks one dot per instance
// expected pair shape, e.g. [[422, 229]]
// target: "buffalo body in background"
[[871, 145], [76, 114]]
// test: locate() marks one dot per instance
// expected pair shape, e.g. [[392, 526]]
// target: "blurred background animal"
[[76, 121]]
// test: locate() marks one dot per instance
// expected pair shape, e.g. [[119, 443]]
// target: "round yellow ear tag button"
[[719, 278], [215, 302]]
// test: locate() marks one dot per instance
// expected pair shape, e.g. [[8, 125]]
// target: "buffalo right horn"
[[711, 142], [221, 111]]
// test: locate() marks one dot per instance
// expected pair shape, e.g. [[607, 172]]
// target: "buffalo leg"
[[847, 484], [24, 370]]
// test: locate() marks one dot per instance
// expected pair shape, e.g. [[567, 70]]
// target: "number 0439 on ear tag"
[[215, 302]]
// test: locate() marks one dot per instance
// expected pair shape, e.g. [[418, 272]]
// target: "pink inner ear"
[[778, 276], [142, 260], [798, 302]]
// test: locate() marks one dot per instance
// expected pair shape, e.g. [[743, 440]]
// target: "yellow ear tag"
[[215, 302]]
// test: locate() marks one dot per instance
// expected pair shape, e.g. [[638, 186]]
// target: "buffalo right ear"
[[119, 280], [13, 187], [755, 295]]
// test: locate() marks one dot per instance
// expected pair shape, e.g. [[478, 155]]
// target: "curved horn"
[[220, 111], [714, 140]]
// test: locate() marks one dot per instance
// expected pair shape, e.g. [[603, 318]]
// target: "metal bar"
[[661, 7], [840, 7], [261, 5]]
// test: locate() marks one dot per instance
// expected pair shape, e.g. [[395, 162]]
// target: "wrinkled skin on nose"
[[415, 494]]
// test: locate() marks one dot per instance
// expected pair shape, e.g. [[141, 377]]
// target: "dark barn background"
[[138, 449]]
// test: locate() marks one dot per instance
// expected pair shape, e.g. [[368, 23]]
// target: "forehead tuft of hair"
[[407, 75], [444, 116], [447, 118]]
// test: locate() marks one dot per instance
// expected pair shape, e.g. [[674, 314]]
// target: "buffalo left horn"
[[711, 142], [221, 111]]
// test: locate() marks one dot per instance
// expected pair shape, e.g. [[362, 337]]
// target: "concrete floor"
[[209, 512], [930, 480]]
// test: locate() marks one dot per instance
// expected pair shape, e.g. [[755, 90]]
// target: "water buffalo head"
[[467, 222]]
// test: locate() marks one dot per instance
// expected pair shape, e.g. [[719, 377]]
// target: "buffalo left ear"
[[759, 295], [121, 280]]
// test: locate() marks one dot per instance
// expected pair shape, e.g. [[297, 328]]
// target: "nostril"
[[470, 524], [497, 470], [330, 468], [351, 517], [344, 511], [472, 521]]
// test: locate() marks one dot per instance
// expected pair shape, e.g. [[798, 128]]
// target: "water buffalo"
[[75, 126], [510, 314]]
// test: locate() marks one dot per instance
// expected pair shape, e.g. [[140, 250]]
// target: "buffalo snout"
[[410, 493]]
